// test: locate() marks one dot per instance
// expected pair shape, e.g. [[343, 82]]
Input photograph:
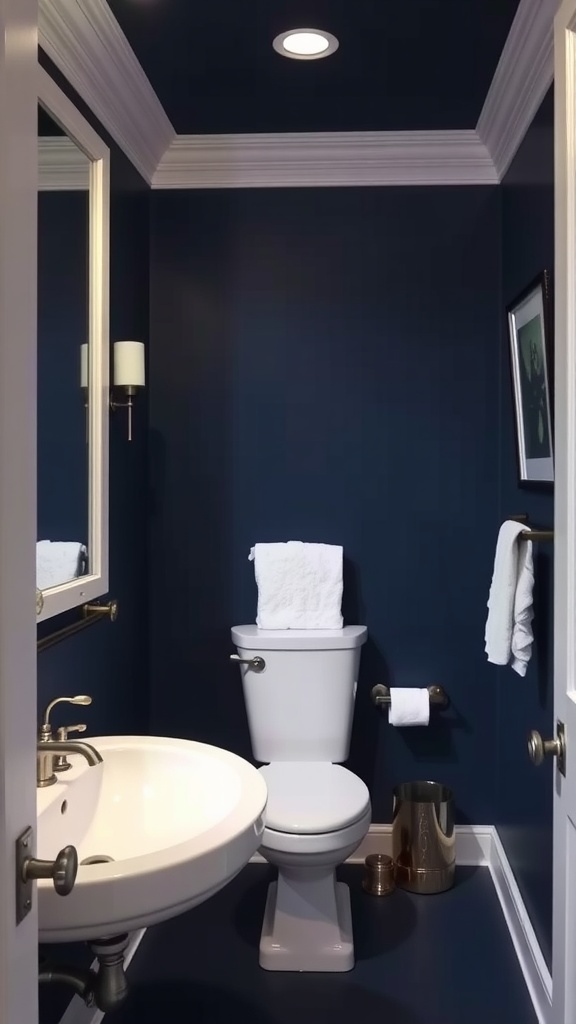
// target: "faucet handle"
[[62, 732], [61, 763], [46, 728]]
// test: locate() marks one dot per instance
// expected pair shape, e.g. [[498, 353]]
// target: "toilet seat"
[[321, 843], [312, 798]]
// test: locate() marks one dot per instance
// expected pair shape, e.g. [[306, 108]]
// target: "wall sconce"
[[129, 375], [84, 371], [84, 383]]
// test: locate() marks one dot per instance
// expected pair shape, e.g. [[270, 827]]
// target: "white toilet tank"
[[300, 706]]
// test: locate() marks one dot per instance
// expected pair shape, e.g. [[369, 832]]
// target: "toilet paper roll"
[[409, 706]]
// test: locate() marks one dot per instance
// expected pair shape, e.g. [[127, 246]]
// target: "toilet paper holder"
[[381, 696]]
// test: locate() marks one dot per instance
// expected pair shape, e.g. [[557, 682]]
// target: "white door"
[[564, 916], [18, 172]]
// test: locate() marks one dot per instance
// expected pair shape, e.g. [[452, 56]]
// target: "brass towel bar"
[[91, 613], [534, 535], [537, 535]]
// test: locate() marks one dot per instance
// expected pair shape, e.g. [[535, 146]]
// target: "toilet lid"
[[307, 797]]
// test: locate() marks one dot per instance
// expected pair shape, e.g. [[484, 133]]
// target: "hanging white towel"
[[510, 612], [58, 562], [299, 585]]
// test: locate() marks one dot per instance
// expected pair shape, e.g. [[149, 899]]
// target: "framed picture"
[[529, 329]]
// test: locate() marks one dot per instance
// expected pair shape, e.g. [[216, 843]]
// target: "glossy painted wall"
[[524, 809], [324, 367]]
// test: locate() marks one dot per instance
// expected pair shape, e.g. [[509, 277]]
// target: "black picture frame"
[[531, 370]]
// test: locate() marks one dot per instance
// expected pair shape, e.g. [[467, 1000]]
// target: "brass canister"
[[423, 837], [379, 876]]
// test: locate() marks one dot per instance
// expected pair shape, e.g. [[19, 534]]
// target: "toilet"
[[299, 689]]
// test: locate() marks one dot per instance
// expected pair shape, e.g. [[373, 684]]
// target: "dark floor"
[[445, 959]]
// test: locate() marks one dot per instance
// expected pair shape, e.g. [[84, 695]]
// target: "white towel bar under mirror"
[[73, 355]]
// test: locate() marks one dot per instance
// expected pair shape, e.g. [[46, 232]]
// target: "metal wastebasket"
[[423, 839]]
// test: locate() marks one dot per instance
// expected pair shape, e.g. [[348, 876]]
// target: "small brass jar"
[[379, 876]]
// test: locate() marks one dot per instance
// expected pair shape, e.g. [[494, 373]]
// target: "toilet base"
[[293, 941]]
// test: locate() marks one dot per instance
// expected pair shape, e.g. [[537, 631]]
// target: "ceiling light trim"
[[86, 43], [522, 78], [308, 159], [332, 44]]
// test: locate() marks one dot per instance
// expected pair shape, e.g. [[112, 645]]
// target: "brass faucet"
[[51, 753]]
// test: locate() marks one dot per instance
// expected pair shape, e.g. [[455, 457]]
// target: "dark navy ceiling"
[[401, 65]]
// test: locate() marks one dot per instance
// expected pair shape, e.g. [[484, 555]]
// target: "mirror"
[[73, 397], [63, 404]]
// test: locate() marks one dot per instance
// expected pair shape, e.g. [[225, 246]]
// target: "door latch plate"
[[24, 845], [561, 755]]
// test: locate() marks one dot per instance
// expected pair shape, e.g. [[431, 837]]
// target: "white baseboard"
[[477, 845], [77, 1012], [536, 974], [473, 844], [480, 845]]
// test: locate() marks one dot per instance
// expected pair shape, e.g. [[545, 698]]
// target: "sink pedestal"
[[106, 988]]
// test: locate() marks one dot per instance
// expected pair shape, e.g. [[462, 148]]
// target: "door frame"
[[18, 220], [564, 853]]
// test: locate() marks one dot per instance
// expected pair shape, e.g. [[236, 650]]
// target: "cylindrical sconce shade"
[[84, 366], [129, 364]]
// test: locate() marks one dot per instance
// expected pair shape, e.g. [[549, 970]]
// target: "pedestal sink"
[[177, 818]]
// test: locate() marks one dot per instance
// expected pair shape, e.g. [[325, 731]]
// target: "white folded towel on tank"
[[58, 561], [510, 612], [299, 585]]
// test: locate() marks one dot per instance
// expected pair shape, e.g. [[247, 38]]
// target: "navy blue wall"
[[324, 366], [62, 329], [110, 661], [524, 810]]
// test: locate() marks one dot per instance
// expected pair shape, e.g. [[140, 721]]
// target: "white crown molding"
[[324, 159], [62, 166], [84, 40], [524, 74], [86, 43]]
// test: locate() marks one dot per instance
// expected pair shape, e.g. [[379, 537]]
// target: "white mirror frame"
[[86, 588]]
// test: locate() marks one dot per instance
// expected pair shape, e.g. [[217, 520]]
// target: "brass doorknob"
[[62, 870], [538, 748]]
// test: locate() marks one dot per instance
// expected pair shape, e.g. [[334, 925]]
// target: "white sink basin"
[[179, 818]]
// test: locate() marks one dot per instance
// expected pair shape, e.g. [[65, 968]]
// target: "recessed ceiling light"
[[305, 43]]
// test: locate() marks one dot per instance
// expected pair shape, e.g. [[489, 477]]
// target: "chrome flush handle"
[[256, 664]]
